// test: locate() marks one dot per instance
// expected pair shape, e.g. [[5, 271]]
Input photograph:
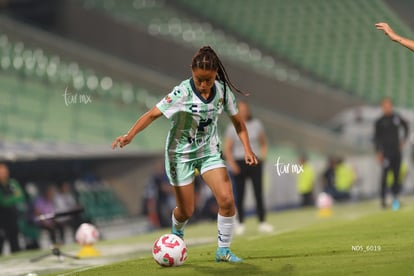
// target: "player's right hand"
[[251, 159], [122, 141]]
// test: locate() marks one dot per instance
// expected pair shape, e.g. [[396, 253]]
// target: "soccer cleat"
[[223, 254], [395, 204], [179, 233]]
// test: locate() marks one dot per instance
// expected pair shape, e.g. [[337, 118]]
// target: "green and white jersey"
[[194, 132]]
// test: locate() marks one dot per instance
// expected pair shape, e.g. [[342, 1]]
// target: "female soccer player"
[[408, 43], [192, 143]]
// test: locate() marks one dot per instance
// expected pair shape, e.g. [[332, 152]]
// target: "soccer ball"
[[87, 234], [169, 250], [324, 201]]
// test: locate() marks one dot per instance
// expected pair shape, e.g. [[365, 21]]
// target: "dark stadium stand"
[[100, 203]]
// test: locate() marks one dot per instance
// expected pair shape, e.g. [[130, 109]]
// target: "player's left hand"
[[251, 159], [387, 30]]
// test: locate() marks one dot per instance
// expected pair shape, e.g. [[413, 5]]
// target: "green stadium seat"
[[35, 107], [334, 39]]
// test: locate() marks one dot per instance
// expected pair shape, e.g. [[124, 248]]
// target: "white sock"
[[178, 225], [225, 227]]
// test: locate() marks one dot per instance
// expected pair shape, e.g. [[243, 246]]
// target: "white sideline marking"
[[81, 270]]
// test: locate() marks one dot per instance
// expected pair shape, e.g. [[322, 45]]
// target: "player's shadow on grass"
[[242, 269], [269, 265], [227, 269]]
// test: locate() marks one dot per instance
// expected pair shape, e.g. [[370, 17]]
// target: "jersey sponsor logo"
[[202, 128], [194, 140], [203, 124], [195, 109]]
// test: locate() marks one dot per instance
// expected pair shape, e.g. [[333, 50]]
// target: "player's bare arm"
[[408, 43], [142, 122], [241, 130]]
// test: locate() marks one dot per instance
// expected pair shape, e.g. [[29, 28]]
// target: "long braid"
[[224, 77], [207, 59]]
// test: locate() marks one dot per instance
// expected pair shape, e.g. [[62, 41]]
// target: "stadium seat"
[[336, 40], [45, 97]]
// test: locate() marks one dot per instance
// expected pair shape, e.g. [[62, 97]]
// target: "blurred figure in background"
[[408, 43], [149, 204], [44, 205], [328, 176], [27, 224], [344, 180], [11, 195], [64, 201], [388, 145], [338, 179], [159, 198], [306, 181], [206, 204], [402, 176], [234, 154]]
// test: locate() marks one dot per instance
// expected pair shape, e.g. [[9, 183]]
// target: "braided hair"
[[206, 59]]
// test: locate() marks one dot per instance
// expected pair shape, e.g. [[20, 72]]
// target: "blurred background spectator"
[[241, 172], [44, 207], [159, 198], [338, 178], [11, 195], [65, 201], [306, 181]]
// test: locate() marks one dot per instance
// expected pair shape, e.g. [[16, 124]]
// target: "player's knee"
[[226, 202]]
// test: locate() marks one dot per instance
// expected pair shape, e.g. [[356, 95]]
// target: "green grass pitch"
[[358, 239]]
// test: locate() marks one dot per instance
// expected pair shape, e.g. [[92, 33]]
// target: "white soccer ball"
[[169, 250], [324, 201], [87, 234]]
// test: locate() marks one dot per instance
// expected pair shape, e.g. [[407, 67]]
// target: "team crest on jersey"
[[168, 99], [220, 102]]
